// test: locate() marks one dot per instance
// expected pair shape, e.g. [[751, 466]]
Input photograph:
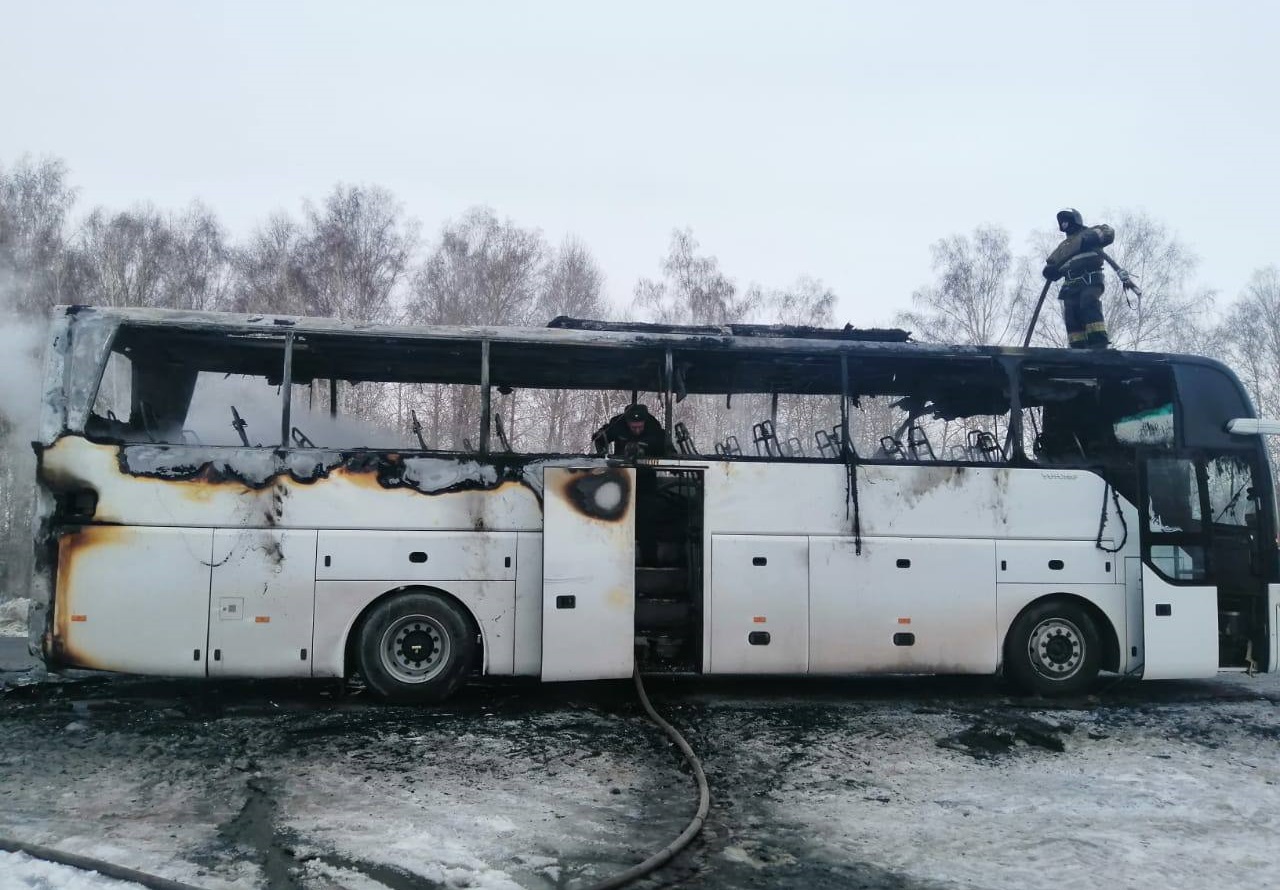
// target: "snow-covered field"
[[21, 871], [873, 783]]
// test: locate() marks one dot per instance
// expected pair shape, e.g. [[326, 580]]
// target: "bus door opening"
[[1237, 544], [1203, 565], [668, 570]]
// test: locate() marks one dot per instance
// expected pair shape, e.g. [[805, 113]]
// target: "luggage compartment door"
[[262, 602], [759, 604], [134, 599], [588, 573]]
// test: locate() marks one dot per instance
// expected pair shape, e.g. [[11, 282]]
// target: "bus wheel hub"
[[1057, 647], [415, 648]]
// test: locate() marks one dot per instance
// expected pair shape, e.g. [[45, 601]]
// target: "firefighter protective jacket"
[[1079, 254]]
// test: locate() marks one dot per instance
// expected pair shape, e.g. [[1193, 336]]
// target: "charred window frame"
[[933, 409], [761, 405], [173, 370], [474, 382], [1206, 518], [1209, 395], [583, 384], [383, 392], [1089, 414], [1174, 505]]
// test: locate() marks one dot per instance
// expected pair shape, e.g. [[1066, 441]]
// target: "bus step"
[[662, 614], [661, 553], [652, 581]]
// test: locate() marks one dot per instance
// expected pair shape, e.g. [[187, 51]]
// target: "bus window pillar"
[[485, 395], [668, 375], [286, 389], [845, 445]]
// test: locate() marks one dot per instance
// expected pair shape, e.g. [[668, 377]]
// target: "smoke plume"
[[21, 369]]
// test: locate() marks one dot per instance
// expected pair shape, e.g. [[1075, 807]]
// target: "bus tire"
[[1053, 648], [416, 646]]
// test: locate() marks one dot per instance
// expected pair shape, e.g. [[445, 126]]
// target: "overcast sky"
[[836, 140]]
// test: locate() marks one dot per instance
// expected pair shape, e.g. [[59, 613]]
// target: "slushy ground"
[[875, 783]]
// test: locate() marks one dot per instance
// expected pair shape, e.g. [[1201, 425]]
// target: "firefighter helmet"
[[1069, 219]]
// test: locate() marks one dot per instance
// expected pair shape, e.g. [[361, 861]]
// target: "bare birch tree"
[[563, 420], [270, 272], [348, 258], [979, 295], [692, 289], [143, 257], [35, 200], [483, 271], [355, 252], [1250, 339]]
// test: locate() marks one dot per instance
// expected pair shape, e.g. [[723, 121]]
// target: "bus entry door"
[[1179, 599], [588, 573]]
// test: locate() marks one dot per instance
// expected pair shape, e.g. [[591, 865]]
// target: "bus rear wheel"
[[1053, 648], [415, 647]]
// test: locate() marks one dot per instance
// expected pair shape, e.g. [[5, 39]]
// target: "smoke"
[[22, 343], [209, 417]]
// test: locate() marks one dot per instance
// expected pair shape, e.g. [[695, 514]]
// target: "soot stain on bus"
[[92, 482], [932, 478], [204, 472], [603, 494], [74, 548]]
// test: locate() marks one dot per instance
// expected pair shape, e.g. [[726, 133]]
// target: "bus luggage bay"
[[210, 503]]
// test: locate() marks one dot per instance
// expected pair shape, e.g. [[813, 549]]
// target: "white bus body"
[[186, 560]]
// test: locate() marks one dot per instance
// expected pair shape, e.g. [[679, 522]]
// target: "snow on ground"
[[21, 872], [13, 617], [903, 784], [486, 820], [1143, 793], [244, 790], [1134, 803]]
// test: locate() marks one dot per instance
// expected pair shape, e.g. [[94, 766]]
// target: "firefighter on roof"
[[1078, 262]]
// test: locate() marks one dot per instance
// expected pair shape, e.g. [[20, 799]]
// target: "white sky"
[[832, 139]]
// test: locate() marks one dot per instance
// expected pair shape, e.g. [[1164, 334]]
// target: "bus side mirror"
[[1253, 426]]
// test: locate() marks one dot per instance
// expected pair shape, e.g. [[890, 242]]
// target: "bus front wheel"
[[415, 647], [1053, 648]]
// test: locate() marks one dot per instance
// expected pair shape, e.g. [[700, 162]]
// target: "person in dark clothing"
[[634, 432], [1078, 261]]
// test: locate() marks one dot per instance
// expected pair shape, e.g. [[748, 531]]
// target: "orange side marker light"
[[262, 619], [79, 617], [759, 619]]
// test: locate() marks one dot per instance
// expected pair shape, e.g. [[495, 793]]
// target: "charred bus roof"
[[569, 353]]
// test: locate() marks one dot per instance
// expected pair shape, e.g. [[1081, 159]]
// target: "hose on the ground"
[[663, 856], [639, 870], [88, 863]]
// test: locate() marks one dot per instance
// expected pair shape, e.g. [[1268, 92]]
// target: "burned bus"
[[212, 503]]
